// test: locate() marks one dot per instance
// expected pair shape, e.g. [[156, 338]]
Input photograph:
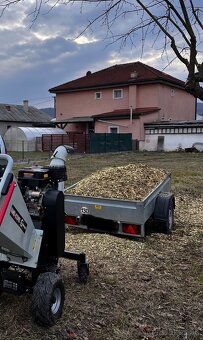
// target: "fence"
[[110, 142], [81, 143]]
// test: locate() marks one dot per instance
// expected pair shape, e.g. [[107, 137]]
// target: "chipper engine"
[[32, 235]]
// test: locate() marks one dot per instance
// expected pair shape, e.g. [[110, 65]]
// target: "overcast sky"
[[35, 57]]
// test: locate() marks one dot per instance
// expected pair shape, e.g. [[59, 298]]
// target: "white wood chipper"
[[32, 235]]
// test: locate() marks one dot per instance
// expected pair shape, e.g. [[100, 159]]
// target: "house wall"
[[171, 142], [175, 104], [77, 127], [83, 103], [125, 126]]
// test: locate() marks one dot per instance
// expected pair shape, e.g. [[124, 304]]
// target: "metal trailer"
[[122, 217]]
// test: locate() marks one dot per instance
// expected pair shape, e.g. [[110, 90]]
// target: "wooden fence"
[[79, 141], [91, 143]]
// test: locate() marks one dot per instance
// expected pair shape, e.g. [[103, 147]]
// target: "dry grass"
[[136, 290]]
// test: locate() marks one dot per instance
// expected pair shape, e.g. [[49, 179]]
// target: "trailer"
[[122, 217]]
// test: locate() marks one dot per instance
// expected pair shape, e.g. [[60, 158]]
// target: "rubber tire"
[[166, 227], [48, 299]]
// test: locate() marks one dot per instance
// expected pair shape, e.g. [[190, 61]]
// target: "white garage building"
[[171, 136]]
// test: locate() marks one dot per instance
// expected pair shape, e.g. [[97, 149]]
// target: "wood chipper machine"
[[32, 235]]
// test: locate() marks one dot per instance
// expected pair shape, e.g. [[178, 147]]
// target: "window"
[[98, 95], [172, 92], [113, 129], [118, 94]]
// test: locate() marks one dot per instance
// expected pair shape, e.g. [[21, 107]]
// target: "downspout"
[[131, 115], [195, 108]]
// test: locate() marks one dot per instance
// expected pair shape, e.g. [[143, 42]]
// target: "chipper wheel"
[[48, 299]]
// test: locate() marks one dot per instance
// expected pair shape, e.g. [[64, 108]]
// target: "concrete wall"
[[171, 142]]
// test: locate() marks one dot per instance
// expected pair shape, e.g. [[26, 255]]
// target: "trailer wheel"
[[83, 271], [166, 226], [48, 299]]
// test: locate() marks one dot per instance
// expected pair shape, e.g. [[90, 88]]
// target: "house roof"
[[116, 114], [174, 124], [119, 114], [119, 75], [84, 119], [19, 113]]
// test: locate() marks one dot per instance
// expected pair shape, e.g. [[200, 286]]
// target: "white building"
[[171, 136]]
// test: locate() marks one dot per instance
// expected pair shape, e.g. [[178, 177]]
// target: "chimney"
[[133, 75], [25, 105], [8, 107]]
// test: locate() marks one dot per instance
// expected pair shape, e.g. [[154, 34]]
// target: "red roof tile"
[[122, 74]]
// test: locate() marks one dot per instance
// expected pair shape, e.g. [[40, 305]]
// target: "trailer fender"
[[162, 206]]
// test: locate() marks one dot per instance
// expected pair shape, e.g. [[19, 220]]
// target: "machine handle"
[[8, 169]]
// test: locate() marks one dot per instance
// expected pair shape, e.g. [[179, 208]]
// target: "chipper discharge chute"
[[32, 235]]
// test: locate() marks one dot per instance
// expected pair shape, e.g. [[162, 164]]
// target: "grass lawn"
[[136, 290]]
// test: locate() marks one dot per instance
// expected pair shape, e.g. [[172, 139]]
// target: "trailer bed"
[[97, 213]]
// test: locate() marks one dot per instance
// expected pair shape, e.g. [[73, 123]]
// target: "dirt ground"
[[136, 290]]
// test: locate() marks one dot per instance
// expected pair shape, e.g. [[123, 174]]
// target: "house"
[[121, 99], [22, 115]]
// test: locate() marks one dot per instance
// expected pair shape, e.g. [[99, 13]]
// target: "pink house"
[[121, 99]]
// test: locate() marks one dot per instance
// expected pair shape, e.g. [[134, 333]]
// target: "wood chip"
[[130, 182]]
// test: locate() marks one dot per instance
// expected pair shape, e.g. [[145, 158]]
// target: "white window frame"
[[113, 127], [114, 91], [100, 95]]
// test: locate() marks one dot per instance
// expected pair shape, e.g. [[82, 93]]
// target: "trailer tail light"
[[132, 229], [72, 220]]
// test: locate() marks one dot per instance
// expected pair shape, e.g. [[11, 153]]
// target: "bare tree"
[[178, 24]]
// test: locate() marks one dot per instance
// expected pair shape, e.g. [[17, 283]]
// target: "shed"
[[27, 138]]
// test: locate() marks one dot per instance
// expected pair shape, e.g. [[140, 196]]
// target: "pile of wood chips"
[[130, 182]]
